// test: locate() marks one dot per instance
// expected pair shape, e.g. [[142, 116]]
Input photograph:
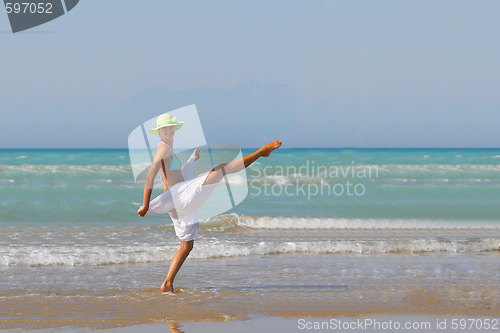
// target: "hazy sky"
[[312, 73]]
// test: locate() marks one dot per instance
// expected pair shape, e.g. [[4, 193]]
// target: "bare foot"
[[267, 149], [167, 286]]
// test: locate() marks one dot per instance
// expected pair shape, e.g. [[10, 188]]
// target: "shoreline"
[[248, 288], [276, 324]]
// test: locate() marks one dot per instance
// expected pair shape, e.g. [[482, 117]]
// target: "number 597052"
[[28, 8]]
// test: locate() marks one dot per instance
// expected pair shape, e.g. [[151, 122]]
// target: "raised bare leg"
[[237, 165], [177, 261]]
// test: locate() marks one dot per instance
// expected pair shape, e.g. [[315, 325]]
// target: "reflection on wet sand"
[[285, 286], [174, 328]]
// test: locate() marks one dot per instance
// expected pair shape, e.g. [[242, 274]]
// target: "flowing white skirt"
[[183, 199]]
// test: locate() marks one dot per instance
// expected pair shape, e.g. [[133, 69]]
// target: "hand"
[[142, 211], [196, 154]]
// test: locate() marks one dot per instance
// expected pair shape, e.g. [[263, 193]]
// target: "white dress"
[[183, 199]]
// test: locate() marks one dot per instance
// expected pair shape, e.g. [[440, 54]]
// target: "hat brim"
[[177, 127]]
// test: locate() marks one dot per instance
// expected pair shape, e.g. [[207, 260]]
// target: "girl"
[[182, 196]]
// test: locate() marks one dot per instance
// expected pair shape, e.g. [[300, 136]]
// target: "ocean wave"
[[110, 176], [312, 223], [146, 253], [278, 171], [231, 235], [432, 167], [346, 169], [236, 180], [440, 173], [54, 168]]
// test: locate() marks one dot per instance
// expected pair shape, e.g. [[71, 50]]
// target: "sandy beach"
[[284, 286]]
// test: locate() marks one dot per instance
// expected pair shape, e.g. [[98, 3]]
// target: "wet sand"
[[415, 323], [236, 289]]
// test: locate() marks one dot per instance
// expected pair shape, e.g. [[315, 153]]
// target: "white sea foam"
[[387, 171], [229, 236], [312, 223], [53, 168], [144, 253], [431, 167], [402, 173], [402, 180], [278, 179], [385, 167], [235, 180]]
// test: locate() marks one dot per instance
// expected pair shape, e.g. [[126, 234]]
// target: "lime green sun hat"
[[166, 120]]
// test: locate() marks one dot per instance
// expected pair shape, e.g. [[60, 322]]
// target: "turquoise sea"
[[81, 187], [91, 192], [342, 220]]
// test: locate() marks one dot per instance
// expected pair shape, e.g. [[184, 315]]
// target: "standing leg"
[[237, 165], [176, 264]]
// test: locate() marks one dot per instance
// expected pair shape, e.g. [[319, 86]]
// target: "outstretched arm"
[[153, 171]]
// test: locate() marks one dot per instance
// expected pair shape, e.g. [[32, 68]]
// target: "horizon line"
[[347, 147]]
